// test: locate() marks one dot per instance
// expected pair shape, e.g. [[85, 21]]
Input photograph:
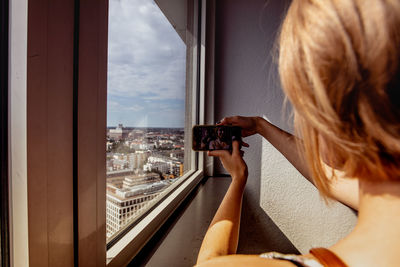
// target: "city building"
[[128, 196], [121, 211], [163, 167], [136, 134], [138, 159], [164, 164], [139, 179], [118, 133]]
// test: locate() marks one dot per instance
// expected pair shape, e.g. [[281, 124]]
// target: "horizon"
[[146, 127]]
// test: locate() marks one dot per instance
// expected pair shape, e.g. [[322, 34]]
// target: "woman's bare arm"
[[223, 233], [342, 189], [285, 143]]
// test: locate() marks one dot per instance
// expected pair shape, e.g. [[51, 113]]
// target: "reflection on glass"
[[146, 109]]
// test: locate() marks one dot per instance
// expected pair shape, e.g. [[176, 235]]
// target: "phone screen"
[[213, 137]]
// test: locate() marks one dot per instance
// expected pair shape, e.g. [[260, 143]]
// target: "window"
[[145, 107], [58, 170], [153, 102]]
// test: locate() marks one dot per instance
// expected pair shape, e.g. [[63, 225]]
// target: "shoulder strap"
[[327, 257]]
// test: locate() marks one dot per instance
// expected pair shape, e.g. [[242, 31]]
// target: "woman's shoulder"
[[245, 260]]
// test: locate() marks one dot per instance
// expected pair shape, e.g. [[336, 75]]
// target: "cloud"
[[135, 108], [119, 106], [147, 58], [113, 105]]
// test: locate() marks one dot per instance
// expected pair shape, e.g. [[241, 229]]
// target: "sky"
[[146, 67]]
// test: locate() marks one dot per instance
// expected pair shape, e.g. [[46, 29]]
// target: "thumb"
[[217, 153], [222, 122], [235, 148]]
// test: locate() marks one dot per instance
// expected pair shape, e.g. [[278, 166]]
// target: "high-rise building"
[[128, 196], [121, 210]]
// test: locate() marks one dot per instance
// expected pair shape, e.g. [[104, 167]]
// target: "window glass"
[[147, 99]]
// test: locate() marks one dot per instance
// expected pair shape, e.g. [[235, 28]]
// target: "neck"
[[379, 209], [377, 233]]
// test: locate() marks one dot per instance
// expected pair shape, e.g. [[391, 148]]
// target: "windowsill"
[[178, 241]]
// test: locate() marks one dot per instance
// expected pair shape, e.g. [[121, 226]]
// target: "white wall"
[[247, 84]]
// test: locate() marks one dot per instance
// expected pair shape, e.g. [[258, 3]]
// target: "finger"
[[224, 121], [218, 153], [235, 148], [245, 144], [228, 121]]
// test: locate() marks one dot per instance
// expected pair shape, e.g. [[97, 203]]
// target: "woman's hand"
[[249, 125], [233, 162]]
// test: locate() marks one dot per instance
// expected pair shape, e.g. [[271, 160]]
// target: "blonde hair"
[[339, 66]]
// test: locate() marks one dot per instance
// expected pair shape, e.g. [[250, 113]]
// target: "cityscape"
[[141, 163], [146, 85]]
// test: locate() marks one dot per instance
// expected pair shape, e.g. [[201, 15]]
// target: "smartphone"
[[215, 137]]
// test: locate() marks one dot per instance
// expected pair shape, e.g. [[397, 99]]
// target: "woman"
[[339, 67], [220, 141]]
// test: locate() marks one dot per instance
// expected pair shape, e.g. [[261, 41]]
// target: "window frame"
[[57, 187], [191, 96], [17, 138], [4, 183]]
